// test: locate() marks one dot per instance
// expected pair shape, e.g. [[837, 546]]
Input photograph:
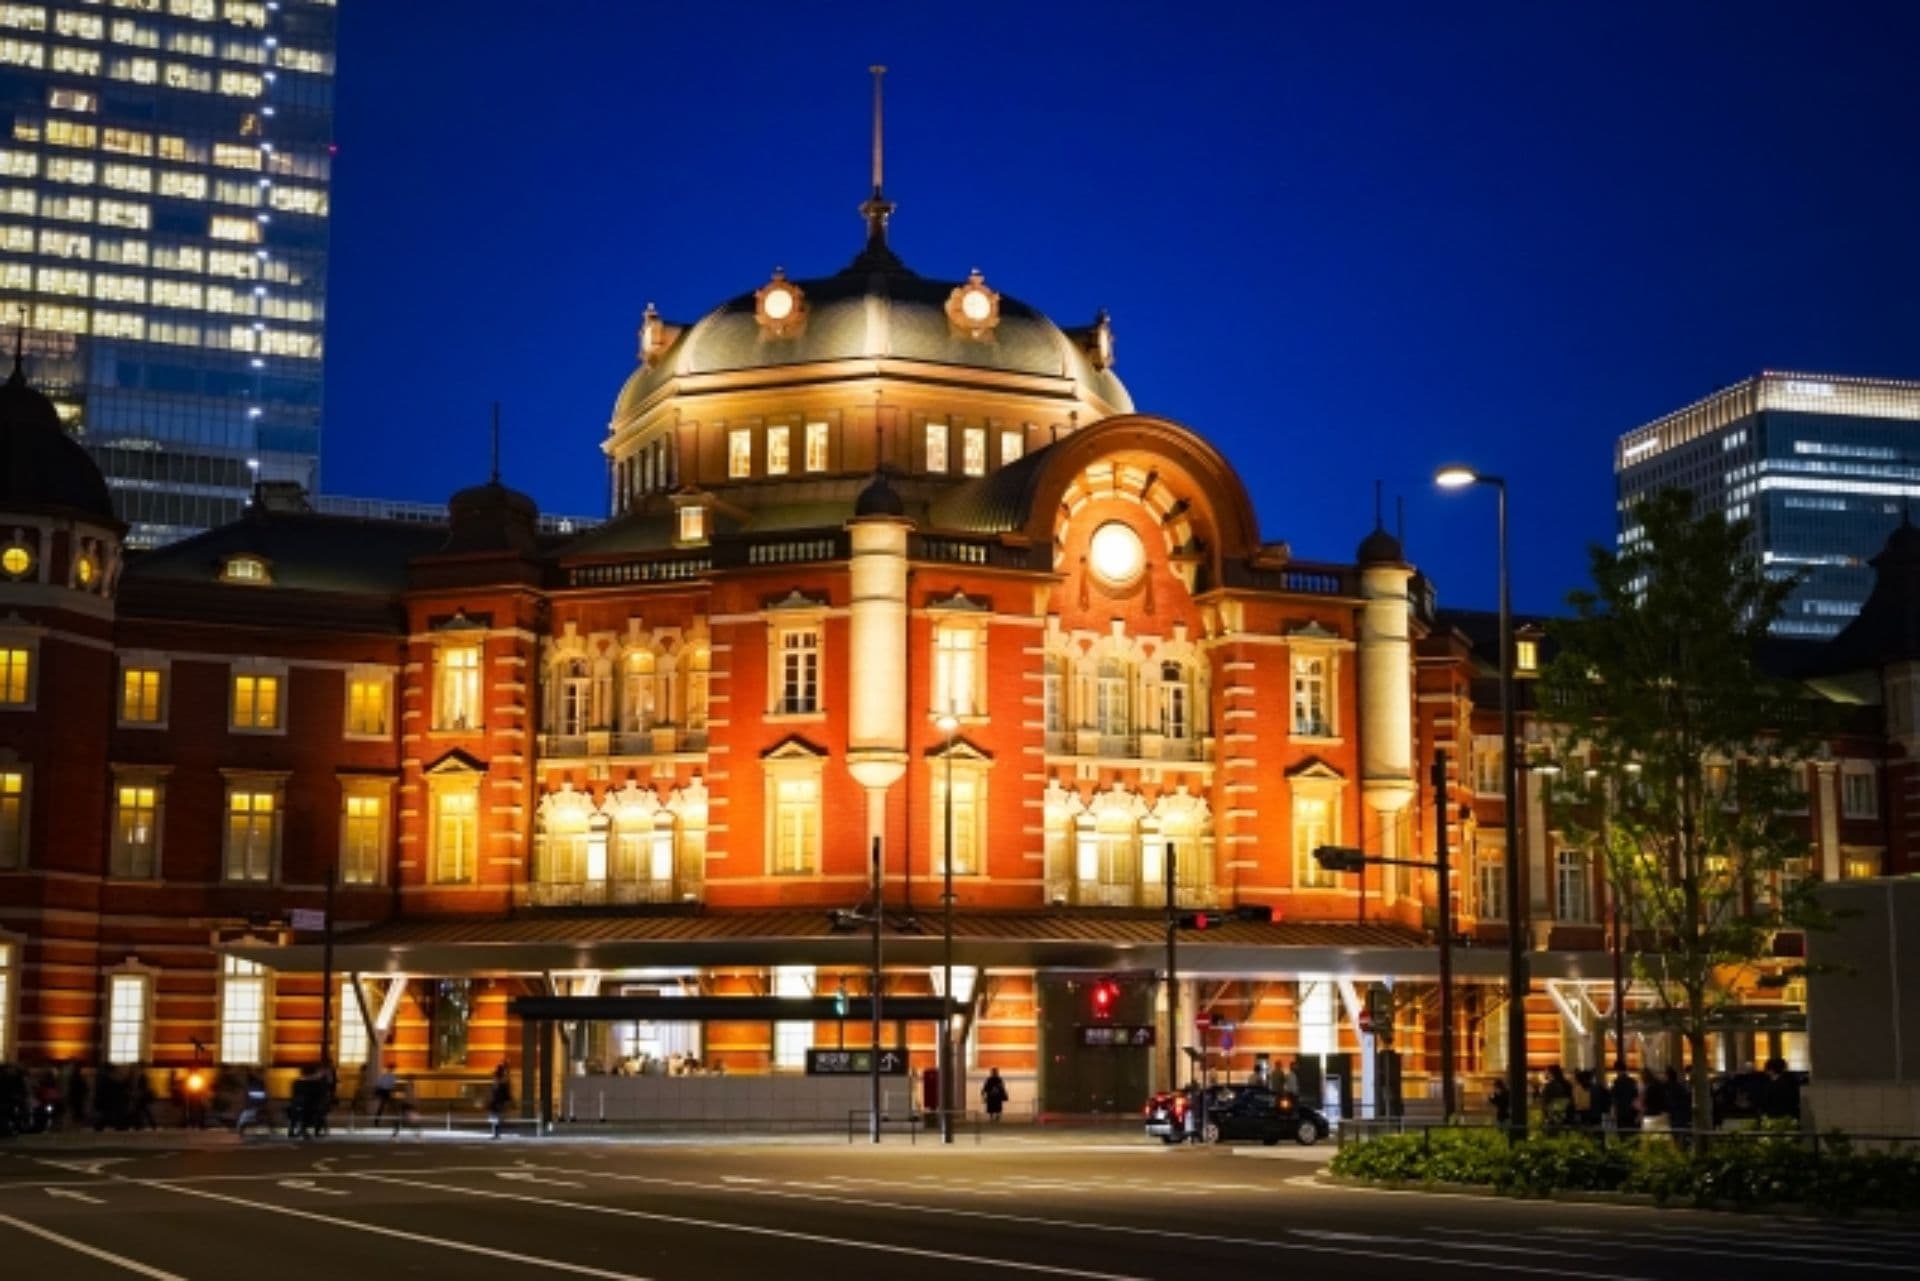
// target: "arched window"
[[636, 697], [698, 662], [1110, 699], [563, 831], [574, 708], [1176, 703]]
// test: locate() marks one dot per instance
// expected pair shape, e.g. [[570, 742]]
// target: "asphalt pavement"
[[204, 1207]]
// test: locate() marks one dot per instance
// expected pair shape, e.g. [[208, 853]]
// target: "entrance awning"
[[720, 1009]]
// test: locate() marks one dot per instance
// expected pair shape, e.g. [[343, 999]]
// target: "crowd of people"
[[1653, 1101]]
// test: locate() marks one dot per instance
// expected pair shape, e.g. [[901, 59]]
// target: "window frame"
[[131, 663], [256, 670], [937, 447], [380, 791], [440, 789], [779, 449], [1326, 684], [798, 766], [739, 453], [254, 784], [23, 820], [969, 773], [783, 705], [445, 676], [817, 444], [1870, 780], [148, 979], [136, 779], [367, 674], [237, 975], [13, 954], [947, 653], [28, 649], [1321, 790]]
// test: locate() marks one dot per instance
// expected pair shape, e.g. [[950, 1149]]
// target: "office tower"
[[163, 239], [1824, 466]]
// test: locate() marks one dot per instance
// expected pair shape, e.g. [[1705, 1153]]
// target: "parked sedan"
[[1246, 1112]]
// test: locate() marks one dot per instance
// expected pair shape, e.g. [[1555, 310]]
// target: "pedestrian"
[[383, 1087], [1582, 1095], [77, 1092], [254, 1109], [1290, 1081], [1626, 1098], [140, 1103], [1679, 1102], [993, 1093], [1502, 1100], [499, 1099], [404, 1112], [1653, 1103], [1780, 1094], [1556, 1099], [304, 1104]]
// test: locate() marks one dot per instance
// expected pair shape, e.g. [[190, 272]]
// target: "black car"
[[1234, 1112]]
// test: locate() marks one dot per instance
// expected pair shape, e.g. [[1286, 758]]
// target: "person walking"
[[1653, 1103], [1780, 1094], [1679, 1102], [253, 1108], [383, 1087], [499, 1099], [140, 1108], [1502, 1100], [993, 1093], [1556, 1099], [77, 1093], [1626, 1098]]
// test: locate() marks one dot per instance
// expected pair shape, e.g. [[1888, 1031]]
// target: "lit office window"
[[243, 1012], [363, 837]]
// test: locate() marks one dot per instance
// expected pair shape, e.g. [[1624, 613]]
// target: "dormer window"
[[245, 569], [1526, 655], [693, 523]]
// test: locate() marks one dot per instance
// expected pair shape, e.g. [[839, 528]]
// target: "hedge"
[[1748, 1171]]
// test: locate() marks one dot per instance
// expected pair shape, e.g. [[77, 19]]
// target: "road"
[[211, 1208]]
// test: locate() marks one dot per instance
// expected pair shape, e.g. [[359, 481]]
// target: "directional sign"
[[1117, 1034], [855, 1063], [307, 918]]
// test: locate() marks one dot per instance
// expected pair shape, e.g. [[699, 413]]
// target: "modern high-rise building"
[[163, 239], [1824, 466]]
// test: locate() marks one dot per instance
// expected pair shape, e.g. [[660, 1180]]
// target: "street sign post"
[[1118, 1034], [856, 1062]]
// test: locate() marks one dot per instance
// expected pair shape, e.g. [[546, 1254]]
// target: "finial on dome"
[[496, 443], [877, 209]]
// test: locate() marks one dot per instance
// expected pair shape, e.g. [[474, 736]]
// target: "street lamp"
[[948, 724], [1461, 476]]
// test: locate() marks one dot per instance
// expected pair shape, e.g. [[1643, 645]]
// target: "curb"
[[1642, 1200]]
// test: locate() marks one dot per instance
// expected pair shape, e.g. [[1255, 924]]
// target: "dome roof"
[[876, 309], [41, 464], [879, 498], [1380, 548]]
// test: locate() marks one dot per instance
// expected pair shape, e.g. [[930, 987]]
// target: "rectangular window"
[[966, 818], [13, 820], [1860, 867], [1053, 708], [354, 1045], [1013, 444], [777, 450], [1312, 828], [136, 831], [363, 838], [1490, 883], [456, 824], [7, 989], [452, 1013], [1570, 885], [693, 523], [956, 669], [796, 826], [16, 676], [973, 451], [252, 823], [1489, 761], [816, 446], [127, 1018], [792, 1039], [1319, 1033], [1310, 717], [1526, 656], [739, 453], [243, 1012], [1859, 794], [256, 702], [799, 672], [457, 688], [368, 695], [937, 447]]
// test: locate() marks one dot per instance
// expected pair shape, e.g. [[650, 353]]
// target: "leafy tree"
[[1681, 750]]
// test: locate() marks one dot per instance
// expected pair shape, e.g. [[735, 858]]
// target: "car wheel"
[[1211, 1133], [1269, 1141], [1307, 1135]]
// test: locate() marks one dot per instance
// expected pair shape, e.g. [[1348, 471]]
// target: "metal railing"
[[914, 1124]]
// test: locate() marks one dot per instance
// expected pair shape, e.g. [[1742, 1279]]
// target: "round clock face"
[[16, 560], [778, 304], [975, 305], [1116, 555]]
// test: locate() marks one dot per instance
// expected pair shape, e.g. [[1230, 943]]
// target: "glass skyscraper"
[[163, 238], [1824, 466]]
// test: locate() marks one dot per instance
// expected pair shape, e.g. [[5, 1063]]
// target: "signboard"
[[1117, 1034], [307, 918], [855, 1062]]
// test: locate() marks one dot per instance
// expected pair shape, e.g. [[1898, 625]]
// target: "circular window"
[[975, 305], [85, 570], [1116, 555], [778, 304], [16, 560]]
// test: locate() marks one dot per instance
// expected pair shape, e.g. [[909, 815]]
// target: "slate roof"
[[41, 464]]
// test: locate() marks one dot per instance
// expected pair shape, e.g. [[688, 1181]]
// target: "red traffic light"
[[1104, 993], [1195, 921]]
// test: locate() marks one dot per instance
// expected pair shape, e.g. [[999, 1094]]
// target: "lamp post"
[[1460, 476], [949, 724]]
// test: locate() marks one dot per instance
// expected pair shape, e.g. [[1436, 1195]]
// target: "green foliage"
[[1745, 1171]]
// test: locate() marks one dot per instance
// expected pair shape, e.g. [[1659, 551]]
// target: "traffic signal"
[[1195, 920], [840, 1002], [1105, 992], [1260, 913], [1339, 858]]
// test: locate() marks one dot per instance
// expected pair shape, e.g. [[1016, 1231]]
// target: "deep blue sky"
[[1345, 241]]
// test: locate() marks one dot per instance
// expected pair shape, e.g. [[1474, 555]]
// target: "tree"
[[1681, 750]]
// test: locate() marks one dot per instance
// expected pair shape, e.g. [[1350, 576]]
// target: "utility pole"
[[1173, 977], [879, 912], [1443, 869]]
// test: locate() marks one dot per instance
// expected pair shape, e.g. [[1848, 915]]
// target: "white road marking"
[[308, 1185], [739, 1178], [749, 1229], [91, 1251], [421, 1238], [1327, 1234], [1660, 1232], [70, 1195], [524, 1176], [1720, 1248], [93, 1166], [1266, 1243]]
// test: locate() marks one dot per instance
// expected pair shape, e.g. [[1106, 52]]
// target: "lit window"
[[16, 560], [693, 523], [957, 668], [1319, 1034], [243, 1012], [1860, 867], [80, 26], [355, 1046], [126, 142], [77, 62], [792, 1038], [73, 100], [1012, 445], [1310, 697], [1570, 884], [1859, 793], [136, 831], [1526, 655], [1176, 703], [127, 1002], [19, 164], [140, 695], [183, 186], [1312, 828], [936, 446], [816, 446], [456, 818], [70, 169], [253, 814], [16, 676], [13, 820], [178, 75], [777, 451], [27, 17], [241, 229], [66, 133], [256, 701], [973, 451], [457, 688], [363, 837], [1490, 881], [969, 816], [739, 453], [119, 213], [796, 825], [7, 988], [22, 53], [799, 671], [367, 700]]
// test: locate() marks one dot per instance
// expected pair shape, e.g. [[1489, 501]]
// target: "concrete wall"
[[1863, 995], [716, 1099]]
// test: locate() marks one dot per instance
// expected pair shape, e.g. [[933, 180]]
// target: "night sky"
[[1344, 241]]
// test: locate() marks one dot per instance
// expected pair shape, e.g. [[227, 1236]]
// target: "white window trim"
[[780, 624], [734, 436], [141, 776], [436, 688], [1853, 769], [253, 781], [283, 699], [143, 659], [797, 764], [976, 696], [30, 642], [265, 1030], [367, 672], [968, 766], [150, 981], [816, 430], [437, 786], [381, 789], [1306, 869], [1328, 654]]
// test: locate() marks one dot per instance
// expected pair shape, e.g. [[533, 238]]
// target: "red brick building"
[[654, 758]]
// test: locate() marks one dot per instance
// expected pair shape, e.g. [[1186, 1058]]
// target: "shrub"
[[1663, 1171], [1392, 1158], [1549, 1163], [1467, 1156]]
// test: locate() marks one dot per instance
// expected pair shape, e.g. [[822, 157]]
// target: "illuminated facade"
[[163, 233], [895, 564], [1824, 466]]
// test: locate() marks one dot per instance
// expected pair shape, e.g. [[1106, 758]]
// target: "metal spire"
[[878, 208], [496, 442]]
